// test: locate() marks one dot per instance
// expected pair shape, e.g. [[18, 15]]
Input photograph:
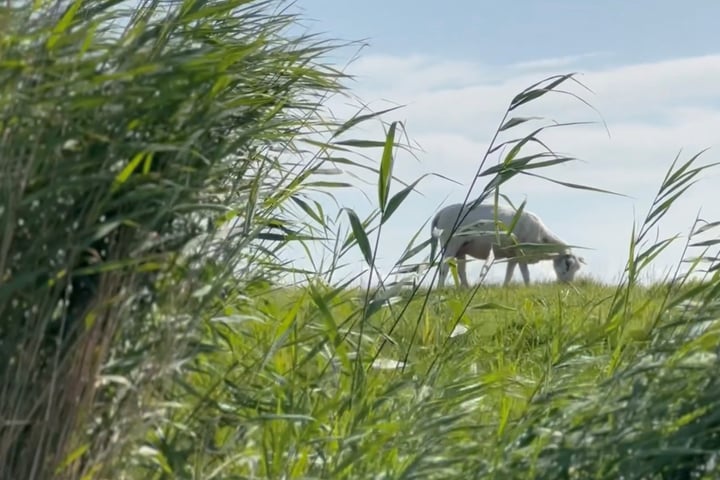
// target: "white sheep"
[[477, 232]]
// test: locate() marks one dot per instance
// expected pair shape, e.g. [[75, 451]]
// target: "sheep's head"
[[566, 266]]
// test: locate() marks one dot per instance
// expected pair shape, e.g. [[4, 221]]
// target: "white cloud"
[[633, 91], [546, 63], [653, 111]]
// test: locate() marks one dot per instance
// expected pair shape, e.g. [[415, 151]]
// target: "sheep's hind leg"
[[510, 270], [525, 273], [461, 268], [450, 251], [442, 271]]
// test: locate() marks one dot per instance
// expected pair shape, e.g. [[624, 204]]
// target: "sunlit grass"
[[485, 377]]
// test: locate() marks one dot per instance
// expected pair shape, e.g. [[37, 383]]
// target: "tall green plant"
[[131, 140]]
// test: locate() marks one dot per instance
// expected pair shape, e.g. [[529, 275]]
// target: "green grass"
[[301, 413]]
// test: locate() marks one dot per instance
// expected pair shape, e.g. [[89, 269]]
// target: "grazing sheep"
[[477, 234]]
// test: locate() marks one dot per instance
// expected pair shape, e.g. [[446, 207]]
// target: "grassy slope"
[[470, 389]]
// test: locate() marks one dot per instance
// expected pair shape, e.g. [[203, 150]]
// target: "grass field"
[[425, 398]]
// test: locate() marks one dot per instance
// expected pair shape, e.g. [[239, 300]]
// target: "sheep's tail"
[[434, 234]]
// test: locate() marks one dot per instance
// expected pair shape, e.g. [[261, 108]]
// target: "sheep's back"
[[526, 227]]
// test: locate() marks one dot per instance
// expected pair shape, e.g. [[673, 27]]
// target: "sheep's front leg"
[[510, 270], [525, 273]]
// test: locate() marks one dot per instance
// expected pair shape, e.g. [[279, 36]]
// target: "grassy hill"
[[540, 383]]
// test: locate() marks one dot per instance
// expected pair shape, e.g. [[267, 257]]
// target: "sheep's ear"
[[582, 260]]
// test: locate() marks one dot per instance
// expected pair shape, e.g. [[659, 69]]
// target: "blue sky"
[[653, 66], [523, 30]]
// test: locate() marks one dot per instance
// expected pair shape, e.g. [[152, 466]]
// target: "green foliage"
[[144, 170], [151, 176], [520, 390]]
